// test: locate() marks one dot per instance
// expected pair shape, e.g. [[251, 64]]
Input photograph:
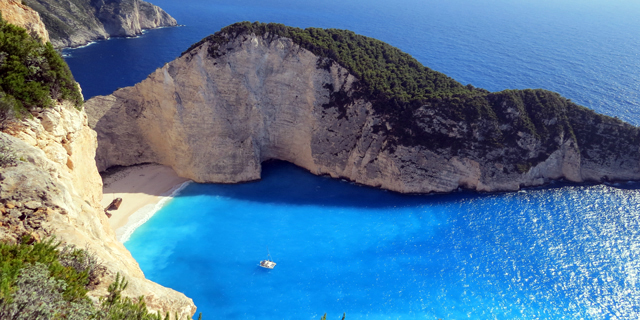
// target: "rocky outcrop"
[[76, 23], [14, 12], [49, 186], [222, 108]]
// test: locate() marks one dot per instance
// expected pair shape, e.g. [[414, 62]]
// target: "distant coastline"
[[86, 21]]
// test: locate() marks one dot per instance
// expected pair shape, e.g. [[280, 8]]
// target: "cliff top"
[[402, 91], [383, 69]]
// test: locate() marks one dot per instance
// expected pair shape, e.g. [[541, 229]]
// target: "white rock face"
[[216, 119], [57, 171]]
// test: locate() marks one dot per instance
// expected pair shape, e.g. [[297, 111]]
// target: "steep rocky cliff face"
[[221, 109], [73, 23], [51, 187], [49, 183], [14, 12]]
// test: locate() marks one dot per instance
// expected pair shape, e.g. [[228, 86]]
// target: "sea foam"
[[145, 213]]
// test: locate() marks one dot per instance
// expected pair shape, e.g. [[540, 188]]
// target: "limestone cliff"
[[49, 183], [14, 12], [53, 189], [235, 100], [78, 22]]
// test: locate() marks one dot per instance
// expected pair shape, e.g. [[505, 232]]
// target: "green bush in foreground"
[[42, 281], [32, 74]]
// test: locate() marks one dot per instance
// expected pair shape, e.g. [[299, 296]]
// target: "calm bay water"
[[565, 252]]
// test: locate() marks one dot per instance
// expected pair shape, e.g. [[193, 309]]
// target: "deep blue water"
[[564, 252]]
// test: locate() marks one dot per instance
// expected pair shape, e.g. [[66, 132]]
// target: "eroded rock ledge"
[[217, 117]]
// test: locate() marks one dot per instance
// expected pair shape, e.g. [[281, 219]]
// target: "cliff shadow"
[[285, 183]]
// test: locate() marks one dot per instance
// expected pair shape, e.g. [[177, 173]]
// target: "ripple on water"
[[563, 253]]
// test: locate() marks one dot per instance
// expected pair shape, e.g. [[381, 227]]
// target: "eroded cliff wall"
[[216, 117], [52, 188], [78, 22]]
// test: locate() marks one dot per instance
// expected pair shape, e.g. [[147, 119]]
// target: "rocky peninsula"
[[351, 107], [78, 22]]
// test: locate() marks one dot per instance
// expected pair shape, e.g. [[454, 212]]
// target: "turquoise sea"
[[560, 252]]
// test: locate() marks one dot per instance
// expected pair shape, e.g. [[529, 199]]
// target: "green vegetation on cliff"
[[32, 74], [383, 69], [41, 280], [425, 108]]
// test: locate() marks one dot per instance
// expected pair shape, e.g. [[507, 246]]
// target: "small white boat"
[[269, 264]]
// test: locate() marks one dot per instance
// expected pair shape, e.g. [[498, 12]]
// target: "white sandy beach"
[[143, 190]]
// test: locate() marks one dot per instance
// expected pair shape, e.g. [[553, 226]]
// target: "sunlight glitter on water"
[[562, 253], [567, 252]]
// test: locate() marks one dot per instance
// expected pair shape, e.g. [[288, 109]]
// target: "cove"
[[563, 252]]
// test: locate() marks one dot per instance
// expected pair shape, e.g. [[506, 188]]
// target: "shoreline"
[[142, 33], [144, 190], [142, 215]]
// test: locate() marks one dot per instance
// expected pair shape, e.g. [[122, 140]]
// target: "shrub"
[[43, 281], [39, 296], [384, 70], [32, 74]]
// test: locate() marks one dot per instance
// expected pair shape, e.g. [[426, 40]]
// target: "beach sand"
[[143, 189]]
